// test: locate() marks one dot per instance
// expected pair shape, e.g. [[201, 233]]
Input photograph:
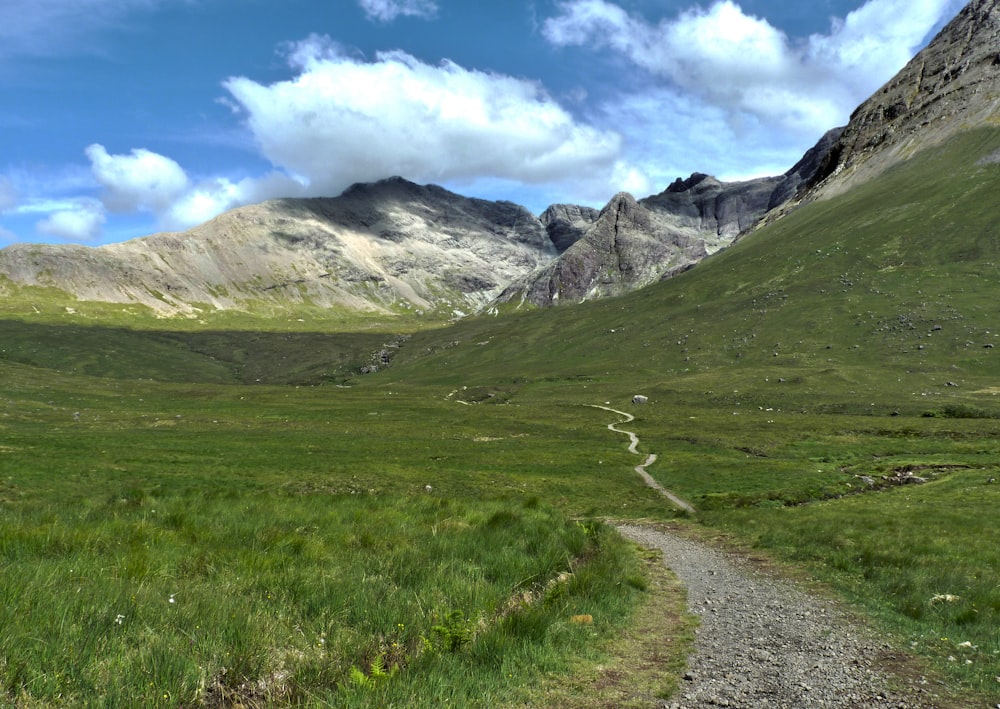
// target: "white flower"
[[119, 618], [171, 599]]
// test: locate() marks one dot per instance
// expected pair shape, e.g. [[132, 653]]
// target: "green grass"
[[167, 599], [920, 559], [320, 544], [847, 340]]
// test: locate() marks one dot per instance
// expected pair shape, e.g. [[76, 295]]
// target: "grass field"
[[168, 544], [227, 510]]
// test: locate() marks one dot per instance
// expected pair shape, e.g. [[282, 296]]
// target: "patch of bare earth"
[[641, 666]]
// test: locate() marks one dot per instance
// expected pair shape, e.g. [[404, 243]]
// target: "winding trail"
[[650, 459], [763, 642]]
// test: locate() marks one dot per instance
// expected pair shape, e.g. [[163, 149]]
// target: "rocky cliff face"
[[950, 86], [567, 223], [387, 246], [631, 244], [704, 203]]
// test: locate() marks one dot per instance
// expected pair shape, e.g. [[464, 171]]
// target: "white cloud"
[[670, 135], [82, 221], [744, 66], [344, 120], [877, 39], [142, 181], [389, 10], [212, 197]]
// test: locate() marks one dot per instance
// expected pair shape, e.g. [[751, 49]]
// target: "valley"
[[239, 469], [150, 458]]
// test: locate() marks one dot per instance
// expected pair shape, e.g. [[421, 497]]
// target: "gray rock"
[[950, 86], [568, 223], [371, 249]]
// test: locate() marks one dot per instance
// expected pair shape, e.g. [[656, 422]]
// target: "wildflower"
[[119, 618], [171, 599]]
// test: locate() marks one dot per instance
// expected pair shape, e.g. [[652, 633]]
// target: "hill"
[[390, 247], [230, 515], [394, 248]]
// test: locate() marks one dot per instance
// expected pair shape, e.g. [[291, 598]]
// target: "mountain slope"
[[887, 282], [381, 248], [892, 284], [630, 244], [950, 86], [393, 247]]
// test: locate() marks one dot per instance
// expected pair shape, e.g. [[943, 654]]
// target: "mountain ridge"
[[395, 247], [949, 86]]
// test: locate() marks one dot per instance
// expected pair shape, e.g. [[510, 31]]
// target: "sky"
[[122, 118]]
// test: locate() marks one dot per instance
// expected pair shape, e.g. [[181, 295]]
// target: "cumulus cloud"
[[141, 181], [744, 66], [144, 181], [389, 10], [212, 197], [82, 221], [343, 120]]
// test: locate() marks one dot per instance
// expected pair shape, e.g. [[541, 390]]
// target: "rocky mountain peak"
[[567, 223], [680, 185], [950, 86], [624, 212]]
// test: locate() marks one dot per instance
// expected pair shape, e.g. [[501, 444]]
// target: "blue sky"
[[120, 118]]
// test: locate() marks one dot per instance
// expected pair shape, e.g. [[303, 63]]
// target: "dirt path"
[[650, 459], [762, 642]]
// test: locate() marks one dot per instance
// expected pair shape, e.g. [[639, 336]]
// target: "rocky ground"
[[764, 643]]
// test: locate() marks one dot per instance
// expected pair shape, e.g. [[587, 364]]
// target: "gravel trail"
[[650, 459], [763, 643]]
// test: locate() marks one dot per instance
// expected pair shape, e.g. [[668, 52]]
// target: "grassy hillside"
[[853, 340], [245, 469], [898, 275]]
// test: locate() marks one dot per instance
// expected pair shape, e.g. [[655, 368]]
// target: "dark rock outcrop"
[[628, 246], [631, 244], [704, 203], [951, 86], [567, 223]]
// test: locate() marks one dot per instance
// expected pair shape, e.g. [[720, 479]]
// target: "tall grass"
[[167, 599]]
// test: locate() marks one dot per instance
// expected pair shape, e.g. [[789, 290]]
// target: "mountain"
[[947, 88], [630, 244], [394, 246], [880, 275], [383, 247]]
